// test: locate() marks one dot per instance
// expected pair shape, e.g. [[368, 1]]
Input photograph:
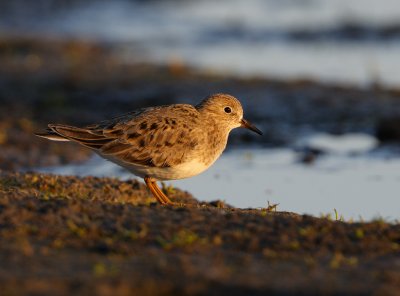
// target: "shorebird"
[[162, 143]]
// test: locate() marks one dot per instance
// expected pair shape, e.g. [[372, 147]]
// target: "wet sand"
[[69, 235]]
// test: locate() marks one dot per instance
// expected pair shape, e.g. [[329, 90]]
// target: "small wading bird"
[[161, 143]]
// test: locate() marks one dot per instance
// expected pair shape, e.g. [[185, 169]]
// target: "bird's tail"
[[83, 136], [51, 135]]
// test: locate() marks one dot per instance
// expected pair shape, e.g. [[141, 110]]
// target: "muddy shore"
[[63, 235], [69, 235]]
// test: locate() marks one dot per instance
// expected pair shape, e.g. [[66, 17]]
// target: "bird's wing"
[[162, 137], [158, 137]]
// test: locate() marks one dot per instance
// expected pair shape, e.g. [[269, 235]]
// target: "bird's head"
[[227, 110]]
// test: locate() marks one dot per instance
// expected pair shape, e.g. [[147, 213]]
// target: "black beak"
[[250, 126]]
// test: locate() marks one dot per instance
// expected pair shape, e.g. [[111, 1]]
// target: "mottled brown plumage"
[[161, 143]]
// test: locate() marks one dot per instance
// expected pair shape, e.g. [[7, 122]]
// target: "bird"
[[168, 142]]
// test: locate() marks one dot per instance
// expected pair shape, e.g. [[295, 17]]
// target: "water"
[[354, 178], [343, 41]]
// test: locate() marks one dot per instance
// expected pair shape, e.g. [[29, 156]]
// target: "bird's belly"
[[181, 171]]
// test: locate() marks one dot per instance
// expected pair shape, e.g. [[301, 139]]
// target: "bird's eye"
[[227, 109]]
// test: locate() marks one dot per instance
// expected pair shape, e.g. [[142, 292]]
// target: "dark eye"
[[227, 109]]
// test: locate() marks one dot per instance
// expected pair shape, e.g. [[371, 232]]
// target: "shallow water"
[[359, 186], [345, 41]]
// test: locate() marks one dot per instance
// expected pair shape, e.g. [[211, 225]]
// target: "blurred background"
[[347, 41], [321, 78]]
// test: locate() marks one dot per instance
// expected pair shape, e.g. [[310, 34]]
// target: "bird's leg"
[[162, 195], [156, 191], [150, 184]]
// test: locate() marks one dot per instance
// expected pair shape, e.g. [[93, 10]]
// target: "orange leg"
[[162, 195], [150, 184], [156, 191]]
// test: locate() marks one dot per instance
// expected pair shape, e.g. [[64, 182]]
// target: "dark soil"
[[68, 235], [74, 236]]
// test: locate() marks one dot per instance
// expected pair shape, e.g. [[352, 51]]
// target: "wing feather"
[[146, 137]]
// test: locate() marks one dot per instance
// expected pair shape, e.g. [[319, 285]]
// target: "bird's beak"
[[250, 126]]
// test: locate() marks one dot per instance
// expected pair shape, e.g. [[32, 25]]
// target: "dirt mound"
[[68, 235]]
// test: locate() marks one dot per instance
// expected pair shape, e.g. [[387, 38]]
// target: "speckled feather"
[[162, 142]]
